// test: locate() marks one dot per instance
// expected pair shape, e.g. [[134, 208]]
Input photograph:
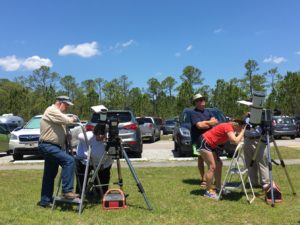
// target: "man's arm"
[[207, 123]]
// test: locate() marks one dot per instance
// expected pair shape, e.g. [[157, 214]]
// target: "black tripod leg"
[[270, 170], [138, 183], [283, 166]]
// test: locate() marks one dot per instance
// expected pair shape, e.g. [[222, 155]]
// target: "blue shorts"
[[205, 146]]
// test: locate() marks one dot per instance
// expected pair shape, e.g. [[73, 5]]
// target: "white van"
[[11, 121]]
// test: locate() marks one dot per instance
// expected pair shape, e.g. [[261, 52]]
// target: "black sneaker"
[[47, 205]]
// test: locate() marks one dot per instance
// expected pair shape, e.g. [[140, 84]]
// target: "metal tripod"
[[267, 134], [116, 143]]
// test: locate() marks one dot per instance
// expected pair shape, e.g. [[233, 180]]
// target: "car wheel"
[[180, 154], [137, 155], [152, 139], [175, 147], [293, 137], [17, 156]]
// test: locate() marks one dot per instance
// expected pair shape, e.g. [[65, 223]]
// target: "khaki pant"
[[260, 165]]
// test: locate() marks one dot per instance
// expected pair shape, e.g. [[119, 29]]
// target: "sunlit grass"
[[174, 194]]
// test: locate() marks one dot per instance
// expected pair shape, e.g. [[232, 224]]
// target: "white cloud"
[[298, 53], [35, 62], [128, 43], [189, 48], [12, 63], [217, 31], [274, 60], [85, 50], [119, 47], [177, 54]]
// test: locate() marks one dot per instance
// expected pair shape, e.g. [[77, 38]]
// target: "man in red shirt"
[[218, 135]]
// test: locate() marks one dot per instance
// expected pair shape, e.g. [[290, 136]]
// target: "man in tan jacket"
[[51, 147]]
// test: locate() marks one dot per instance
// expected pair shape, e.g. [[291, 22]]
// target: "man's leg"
[[50, 172], [104, 176], [67, 163], [249, 150], [262, 160], [80, 176]]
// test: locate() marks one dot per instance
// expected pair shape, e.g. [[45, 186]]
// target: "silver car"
[[128, 128], [150, 128]]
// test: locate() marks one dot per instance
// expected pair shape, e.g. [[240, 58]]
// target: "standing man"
[[202, 120], [255, 142], [51, 147]]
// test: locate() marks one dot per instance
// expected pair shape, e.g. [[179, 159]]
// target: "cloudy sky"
[[144, 39]]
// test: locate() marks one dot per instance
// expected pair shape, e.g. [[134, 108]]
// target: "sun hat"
[[64, 99], [198, 96]]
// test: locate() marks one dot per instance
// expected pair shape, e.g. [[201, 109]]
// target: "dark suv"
[[182, 135], [129, 130], [284, 126]]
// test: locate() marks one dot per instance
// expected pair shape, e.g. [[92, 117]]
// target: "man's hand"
[[213, 121], [75, 119]]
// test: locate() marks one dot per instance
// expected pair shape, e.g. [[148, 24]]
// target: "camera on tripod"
[[259, 115], [110, 125]]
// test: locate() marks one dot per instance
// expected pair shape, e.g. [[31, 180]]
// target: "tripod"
[[268, 134], [119, 151]]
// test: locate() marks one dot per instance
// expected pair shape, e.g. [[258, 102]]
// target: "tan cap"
[[198, 96]]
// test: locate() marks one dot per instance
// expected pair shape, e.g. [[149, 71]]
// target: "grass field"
[[174, 194]]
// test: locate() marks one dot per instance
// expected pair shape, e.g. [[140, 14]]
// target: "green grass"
[[174, 194], [286, 152]]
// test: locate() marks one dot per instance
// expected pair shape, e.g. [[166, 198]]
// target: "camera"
[[110, 124], [259, 115]]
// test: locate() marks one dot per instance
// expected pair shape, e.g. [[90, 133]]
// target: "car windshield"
[[34, 123], [143, 120], [284, 121], [170, 122]]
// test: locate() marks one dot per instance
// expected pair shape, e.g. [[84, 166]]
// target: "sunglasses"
[[200, 100]]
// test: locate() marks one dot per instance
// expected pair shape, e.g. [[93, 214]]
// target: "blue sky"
[[144, 39]]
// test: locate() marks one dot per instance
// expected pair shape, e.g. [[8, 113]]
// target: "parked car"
[[182, 135], [168, 126], [24, 140], [159, 122], [4, 137], [284, 126], [129, 130], [11, 121], [297, 121], [150, 128]]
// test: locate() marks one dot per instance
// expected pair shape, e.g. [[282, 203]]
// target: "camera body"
[[259, 115], [110, 124]]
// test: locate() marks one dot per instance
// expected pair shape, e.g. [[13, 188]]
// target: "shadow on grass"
[[198, 192], [233, 196], [191, 181]]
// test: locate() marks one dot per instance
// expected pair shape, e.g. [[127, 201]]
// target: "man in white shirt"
[[96, 142]]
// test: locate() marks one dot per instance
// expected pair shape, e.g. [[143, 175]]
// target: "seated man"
[[95, 141]]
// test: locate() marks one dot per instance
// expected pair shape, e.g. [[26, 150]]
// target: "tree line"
[[29, 95]]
